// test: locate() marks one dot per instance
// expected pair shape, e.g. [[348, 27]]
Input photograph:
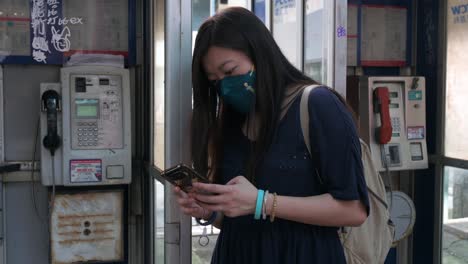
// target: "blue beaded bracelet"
[[258, 207], [209, 221]]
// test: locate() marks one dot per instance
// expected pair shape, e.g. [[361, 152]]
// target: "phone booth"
[[66, 127]]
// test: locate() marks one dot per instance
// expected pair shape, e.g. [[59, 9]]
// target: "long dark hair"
[[237, 29]]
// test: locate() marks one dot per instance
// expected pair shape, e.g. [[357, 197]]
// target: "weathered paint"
[[87, 227]]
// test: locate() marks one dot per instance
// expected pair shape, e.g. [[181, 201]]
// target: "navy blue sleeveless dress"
[[289, 170]]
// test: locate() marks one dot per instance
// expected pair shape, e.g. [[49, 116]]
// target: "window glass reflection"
[[286, 30], [315, 41], [455, 216], [456, 123]]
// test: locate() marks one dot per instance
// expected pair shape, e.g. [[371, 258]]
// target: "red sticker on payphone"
[[89, 170], [416, 132]]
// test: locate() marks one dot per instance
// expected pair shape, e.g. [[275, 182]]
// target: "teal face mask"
[[238, 91]]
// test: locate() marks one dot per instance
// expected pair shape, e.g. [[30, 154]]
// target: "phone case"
[[183, 177]]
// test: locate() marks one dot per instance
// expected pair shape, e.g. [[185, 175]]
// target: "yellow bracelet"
[[272, 215]]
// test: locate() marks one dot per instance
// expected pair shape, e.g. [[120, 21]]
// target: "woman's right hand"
[[189, 206]]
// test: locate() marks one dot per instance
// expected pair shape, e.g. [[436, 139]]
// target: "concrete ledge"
[[457, 227]]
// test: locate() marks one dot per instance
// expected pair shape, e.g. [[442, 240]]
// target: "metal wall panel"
[[26, 232], [21, 104]]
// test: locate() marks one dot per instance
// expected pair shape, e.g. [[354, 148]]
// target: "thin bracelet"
[[264, 212], [272, 216], [258, 207], [209, 221]]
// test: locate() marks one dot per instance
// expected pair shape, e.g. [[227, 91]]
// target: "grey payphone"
[[95, 128]]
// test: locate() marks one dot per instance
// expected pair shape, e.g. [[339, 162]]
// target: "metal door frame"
[[178, 109]]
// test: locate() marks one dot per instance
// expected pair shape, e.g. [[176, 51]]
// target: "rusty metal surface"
[[87, 227]]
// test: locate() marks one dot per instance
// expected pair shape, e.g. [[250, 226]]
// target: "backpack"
[[370, 242]]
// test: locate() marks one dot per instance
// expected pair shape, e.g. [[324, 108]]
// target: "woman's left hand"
[[238, 197]]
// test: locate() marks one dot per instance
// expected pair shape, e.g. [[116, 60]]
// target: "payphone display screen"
[[86, 111]]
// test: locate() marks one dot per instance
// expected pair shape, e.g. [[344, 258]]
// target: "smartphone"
[[183, 176]]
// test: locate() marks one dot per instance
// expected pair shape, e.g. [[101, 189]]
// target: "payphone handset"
[[51, 134], [96, 126], [396, 121], [383, 134], [50, 104]]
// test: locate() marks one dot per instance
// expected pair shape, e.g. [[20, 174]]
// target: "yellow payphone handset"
[[95, 127], [395, 119]]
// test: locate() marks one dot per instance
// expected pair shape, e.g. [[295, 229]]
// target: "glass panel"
[[315, 40], [159, 94], [159, 222], [286, 30], [98, 33], [455, 216], [456, 123], [158, 136], [223, 4], [260, 10]]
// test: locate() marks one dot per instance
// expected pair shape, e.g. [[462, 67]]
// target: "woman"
[[246, 135]]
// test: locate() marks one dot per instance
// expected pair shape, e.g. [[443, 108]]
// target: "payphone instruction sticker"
[[416, 132], [415, 95], [89, 170]]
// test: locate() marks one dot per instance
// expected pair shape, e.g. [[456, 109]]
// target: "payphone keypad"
[[396, 125], [88, 133]]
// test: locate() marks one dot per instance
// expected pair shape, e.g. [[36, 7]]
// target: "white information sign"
[[352, 35], [384, 34], [14, 28]]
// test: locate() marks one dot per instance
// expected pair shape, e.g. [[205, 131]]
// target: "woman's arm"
[[322, 210], [239, 196]]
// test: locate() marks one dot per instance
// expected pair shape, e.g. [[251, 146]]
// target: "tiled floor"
[[455, 250]]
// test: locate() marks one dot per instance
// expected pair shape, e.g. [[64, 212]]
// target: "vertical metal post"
[[2, 137], [329, 43], [440, 146], [178, 107], [268, 14], [300, 28], [150, 39], [340, 46], [2, 159]]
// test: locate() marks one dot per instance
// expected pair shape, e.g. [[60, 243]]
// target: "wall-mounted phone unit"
[[392, 117], [96, 128]]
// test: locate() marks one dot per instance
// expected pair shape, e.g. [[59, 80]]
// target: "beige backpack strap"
[[305, 114]]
